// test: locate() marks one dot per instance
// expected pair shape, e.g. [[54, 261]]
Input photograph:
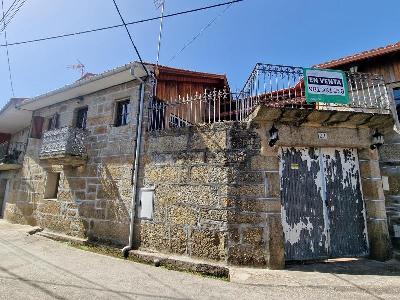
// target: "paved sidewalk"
[[33, 267]]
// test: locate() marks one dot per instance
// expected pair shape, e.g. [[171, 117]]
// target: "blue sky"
[[291, 32]]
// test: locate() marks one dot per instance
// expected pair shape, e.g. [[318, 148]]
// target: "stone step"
[[181, 263], [62, 237]]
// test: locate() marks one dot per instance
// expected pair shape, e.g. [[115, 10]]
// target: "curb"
[[176, 263], [62, 238], [180, 264]]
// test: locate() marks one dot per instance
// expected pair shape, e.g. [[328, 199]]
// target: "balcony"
[[281, 90], [64, 146], [11, 155], [274, 92]]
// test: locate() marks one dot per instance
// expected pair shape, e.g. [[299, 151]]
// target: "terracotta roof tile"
[[361, 56]]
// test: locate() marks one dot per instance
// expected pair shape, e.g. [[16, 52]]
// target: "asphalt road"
[[33, 267]]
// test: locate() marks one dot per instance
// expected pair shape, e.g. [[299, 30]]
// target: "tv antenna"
[[79, 66], [160, 4]]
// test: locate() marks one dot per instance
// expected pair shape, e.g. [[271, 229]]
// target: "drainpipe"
[[139, 129]]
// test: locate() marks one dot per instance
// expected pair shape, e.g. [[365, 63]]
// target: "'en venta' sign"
[[326, 86]]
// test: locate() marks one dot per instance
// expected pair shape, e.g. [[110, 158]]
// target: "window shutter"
[[37, 127]]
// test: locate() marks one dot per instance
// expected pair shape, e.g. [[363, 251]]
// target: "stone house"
[[279, 180], [255, 178], [14, 126], [74, 175], [386, 62]]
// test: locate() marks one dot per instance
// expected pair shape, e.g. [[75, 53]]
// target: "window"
[[123, 113], [52, 182], [53, 122], [353, 69], [81, 117], [396, 93], [37, 127]]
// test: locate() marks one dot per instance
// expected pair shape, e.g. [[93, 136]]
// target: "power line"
[[130, 37], [120, 25], [200, 33], [8, 10], [13, 15], [8, 55]]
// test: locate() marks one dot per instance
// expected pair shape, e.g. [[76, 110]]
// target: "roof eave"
[[84, 87]]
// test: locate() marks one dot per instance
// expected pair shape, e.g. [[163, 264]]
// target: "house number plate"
[[322, 136]]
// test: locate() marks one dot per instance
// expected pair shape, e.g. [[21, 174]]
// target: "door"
[[302, 206], [323, 211], [345, 205], [3, 187]]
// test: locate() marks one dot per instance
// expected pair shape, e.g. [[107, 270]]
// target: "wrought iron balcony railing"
[[62, 143], [12, 153], [282, 86], [273, 86]]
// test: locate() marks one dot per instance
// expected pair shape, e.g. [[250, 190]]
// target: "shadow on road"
[[42, 285], [348, 266]]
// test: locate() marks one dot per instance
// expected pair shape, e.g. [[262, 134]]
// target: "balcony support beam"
[[296, 117]]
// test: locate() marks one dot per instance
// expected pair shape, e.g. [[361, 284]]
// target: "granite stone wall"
[[216, 187], [215, 196], [94, 199], [189, 171], [217, 190]]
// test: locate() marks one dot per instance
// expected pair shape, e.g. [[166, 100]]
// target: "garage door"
[[323, 211]]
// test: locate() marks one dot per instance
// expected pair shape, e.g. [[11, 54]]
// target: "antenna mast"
[[158, 4], [79, 66]]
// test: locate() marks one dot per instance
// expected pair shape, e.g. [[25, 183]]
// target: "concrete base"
[[9, 167], [63, 238], [181, 263]]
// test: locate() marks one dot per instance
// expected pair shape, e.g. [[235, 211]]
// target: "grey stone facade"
[[94, 193], [217, 187]]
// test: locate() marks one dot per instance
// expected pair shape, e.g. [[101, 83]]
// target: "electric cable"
[[8, 54], [130, 37], [119, 25]]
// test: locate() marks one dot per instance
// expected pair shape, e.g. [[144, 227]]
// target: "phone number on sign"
[[326, 90]]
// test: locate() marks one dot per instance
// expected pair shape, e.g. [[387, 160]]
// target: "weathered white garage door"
[[323, 211]]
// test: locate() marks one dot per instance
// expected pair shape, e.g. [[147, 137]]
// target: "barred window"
[[123, 113], [53, 122], [81, 117]]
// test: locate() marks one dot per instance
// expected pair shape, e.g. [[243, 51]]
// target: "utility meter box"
[[146, 204]]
